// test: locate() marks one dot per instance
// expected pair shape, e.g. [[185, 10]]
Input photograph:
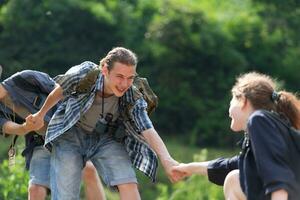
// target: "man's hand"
[[35, 121], [168, 165], [182, 169], [28, 127]]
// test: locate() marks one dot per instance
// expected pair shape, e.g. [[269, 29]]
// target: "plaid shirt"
[[132, 109]]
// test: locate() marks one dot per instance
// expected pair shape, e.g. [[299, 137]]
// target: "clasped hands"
[[34, 121]]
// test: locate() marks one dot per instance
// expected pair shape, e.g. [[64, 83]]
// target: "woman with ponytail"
[[268, 166]]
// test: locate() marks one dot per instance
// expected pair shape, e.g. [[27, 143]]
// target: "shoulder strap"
[[143, 89], [85, 85], [12, 152]]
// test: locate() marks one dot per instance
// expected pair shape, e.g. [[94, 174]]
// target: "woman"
[[268, 167]]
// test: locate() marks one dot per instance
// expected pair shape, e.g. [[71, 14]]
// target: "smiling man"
[[85, 125]]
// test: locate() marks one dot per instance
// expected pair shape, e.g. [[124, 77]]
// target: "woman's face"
[[238, 114]]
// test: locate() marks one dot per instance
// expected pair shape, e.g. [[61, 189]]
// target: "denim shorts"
[[39, 169], [76, 146]]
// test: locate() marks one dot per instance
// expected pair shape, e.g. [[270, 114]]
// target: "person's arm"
[[12, 128], [53, 98], [188, 169], [216, 170], [156, 143], [66, 84]]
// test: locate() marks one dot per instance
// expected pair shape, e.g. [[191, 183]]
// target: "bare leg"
[[93, 186], [232, 188], [129, 191], [37, 192]]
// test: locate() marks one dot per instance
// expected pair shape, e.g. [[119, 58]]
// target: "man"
[[21, 94], [81, 128]]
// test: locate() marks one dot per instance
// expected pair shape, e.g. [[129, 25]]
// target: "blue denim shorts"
[[71, 151], [39, 169]]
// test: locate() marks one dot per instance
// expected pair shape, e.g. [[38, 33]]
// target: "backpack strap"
[[85, 85], [141, 88], [12, 152]]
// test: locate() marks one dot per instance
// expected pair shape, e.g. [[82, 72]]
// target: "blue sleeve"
[[72, 77], [140, 115], [270, 153], [218, 169], [38, 79]]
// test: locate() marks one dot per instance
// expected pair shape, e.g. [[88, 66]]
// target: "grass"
[[179, 151]]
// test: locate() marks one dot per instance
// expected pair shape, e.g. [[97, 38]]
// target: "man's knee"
[[232, 178], [37, 192], [129, 191], [128, 187]]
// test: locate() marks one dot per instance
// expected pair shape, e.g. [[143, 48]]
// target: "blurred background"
[[191, 51]]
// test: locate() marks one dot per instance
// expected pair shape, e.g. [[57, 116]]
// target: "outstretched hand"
[[28, 126], [182, 170], [188, 169], [168, 166]]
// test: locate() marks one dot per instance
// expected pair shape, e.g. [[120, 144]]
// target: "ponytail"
[[289, 105]]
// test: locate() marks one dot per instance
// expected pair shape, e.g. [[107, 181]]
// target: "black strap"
[[14, 140]]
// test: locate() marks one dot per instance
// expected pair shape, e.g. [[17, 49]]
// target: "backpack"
[[140, 88]]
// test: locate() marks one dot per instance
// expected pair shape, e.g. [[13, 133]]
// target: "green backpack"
[[140, 87]]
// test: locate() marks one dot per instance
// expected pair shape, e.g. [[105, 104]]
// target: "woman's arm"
[[188, 169]]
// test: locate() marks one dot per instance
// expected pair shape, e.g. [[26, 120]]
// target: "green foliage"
[[61, 34], [14, 180], [190, 50]]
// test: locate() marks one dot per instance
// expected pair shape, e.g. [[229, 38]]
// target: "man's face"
[[119, 79]]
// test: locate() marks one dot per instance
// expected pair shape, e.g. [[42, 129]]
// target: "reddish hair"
[[259, 89]]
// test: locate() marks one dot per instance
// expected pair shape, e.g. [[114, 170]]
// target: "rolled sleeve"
[[218, 169], [140, 116]]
